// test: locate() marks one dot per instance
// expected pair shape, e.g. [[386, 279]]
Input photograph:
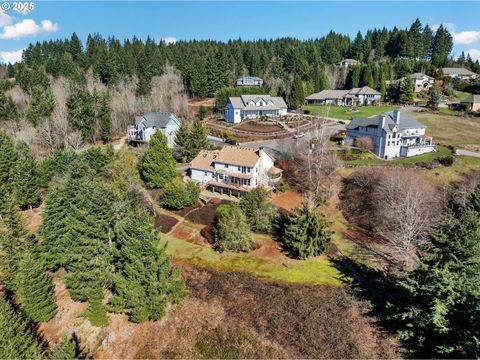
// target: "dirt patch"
[[206, 214], [33, 218], [267, 247], [259, 126], [165, 223], [181, 233], [287, 200], [186, 211]]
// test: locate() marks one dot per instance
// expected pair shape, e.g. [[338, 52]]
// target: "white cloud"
[[11, 56], [449, 26], [5, 19], [28, 27], [465, 37], [170, 40], [474, 54]]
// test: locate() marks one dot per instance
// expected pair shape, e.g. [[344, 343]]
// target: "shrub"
[[446, 160], [179, 195], [282, 186], [232, 232], [258, 209], [306, 112]]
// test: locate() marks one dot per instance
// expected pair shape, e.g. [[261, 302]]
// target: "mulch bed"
[[206, 214], [186, 211], [165, 223], [256, 126]]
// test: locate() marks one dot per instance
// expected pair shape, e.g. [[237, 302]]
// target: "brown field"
[[206, 214], [258, 126], [165, 223]]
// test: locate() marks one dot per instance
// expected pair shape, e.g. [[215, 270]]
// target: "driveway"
[[467, 153]]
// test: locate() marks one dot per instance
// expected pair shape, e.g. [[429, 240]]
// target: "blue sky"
[[230, 19]]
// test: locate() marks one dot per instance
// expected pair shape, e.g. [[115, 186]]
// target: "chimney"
[[381, 123], [260, 151], [396, 116]]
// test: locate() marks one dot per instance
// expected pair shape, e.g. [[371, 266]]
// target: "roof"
[[364, 91], [406, 122], [340, 94], [157, 119], [238, 155], [204, 160], [420, 76], [352, 61], [472, 99], [240, 102], [457, 71], [250, 78]]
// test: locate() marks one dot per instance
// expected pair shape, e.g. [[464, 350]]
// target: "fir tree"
[[41, 106], [198, 139], [182, 143], [8, 109], [305, 233], [96, 313], [297, 95], [25, 177], [7, 160], [17, 341], [35, 289], [144, 282], [104, 114], [232, 232], [406, 91], [64, 349], [158, 165], [258, 209]]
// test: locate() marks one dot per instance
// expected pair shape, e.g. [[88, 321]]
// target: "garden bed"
[[165, 223], [259, 126], [186, 211], [206, 214]]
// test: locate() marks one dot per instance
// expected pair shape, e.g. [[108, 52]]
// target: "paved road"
[[467, 153]]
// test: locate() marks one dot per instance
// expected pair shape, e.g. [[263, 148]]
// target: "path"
[[463, 152]]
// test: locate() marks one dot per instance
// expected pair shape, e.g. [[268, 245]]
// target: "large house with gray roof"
[[393, 135], [249, 81], [356, 96], [146, 125], [459, 73], [253, 106]]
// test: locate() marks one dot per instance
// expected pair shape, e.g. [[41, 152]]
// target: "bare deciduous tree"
[[74, 140], [364, 143]]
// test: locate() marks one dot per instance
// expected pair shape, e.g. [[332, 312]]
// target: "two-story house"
[[249, 81], [146, 125], [253, 106], [420, 82], [345, 63], [459, 73], [356, 96], [234, 170], [393, 135]]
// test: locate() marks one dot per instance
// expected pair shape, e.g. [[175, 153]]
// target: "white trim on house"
[[253, 106]]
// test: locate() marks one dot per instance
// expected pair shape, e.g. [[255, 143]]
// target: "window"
[[206, 173], [226, 166], [213, 175], [239, 168], [221, 176], [388, 143], [388, 136]]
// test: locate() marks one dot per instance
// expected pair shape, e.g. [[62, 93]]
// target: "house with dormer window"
[[253, 106], [393, 135]]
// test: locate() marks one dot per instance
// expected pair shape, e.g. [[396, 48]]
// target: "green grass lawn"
[[317, 271], [450, 130], [461, 95], [343, 112], [448, 111], [445, 175]]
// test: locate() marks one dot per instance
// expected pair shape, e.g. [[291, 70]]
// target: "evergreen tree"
[[144, 281], [439, 309], [198, 139], [182, 143], [406, 91], [442, 46], [8, 109], [96, 313], [179, 195], [321, 80], [258, 209], [105, 116], [354, 77], [305, 232], [297, 95], [232, 232], [35, 289], [383, 86], [64, 349], [7, 160], [202, 112], [433, 100], [17, 340], [25, 177], [367, 77], [41, 106], [81, 112], [158, 164]]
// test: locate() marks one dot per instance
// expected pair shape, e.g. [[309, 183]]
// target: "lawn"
[[445, 175], [461, 95], [344, 112], [451, 130]]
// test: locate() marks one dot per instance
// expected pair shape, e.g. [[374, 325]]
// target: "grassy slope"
[[444, 175], [342, 112], [451, 130]]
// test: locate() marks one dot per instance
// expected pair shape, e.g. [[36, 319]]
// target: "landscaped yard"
[[344, 112], [451, 130]]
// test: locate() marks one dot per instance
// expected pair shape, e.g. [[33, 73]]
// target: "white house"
[[460, 73], [356, 96], [146, 125], [252, 106], [345, 63], [234, 170], [392, 135], [420, 82], [249, 81]]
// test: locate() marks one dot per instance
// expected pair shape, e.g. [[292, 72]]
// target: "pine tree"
[[25, 177], [17, 341], [258, 209], [105, 116], [305, 232], [64, 349], [232, 231], [35, 289], [297, 95], [383, 86], [144, 281], [198, 139], [7, 160], [158, 165], [8, 109], [442, 46], [182, 143], [41, 106], [406, 91], [96, 313]]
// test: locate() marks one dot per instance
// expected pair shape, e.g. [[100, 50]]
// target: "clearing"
[[346, 113]]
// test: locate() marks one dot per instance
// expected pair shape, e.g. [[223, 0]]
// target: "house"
[[356, 96], [249, 81], [459, 73], [234, 170], [473, 101], [253, 106], [420, 82], [345, 63], [146, 125], [393, 135]]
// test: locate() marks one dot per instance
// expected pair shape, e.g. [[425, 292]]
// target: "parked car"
[[298, 136]]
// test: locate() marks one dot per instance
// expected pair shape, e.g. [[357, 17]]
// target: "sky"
[[224, 20]]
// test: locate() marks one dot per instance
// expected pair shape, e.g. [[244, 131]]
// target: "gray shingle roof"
[[406, 122], [157, 119], [457, 71], [340, 94], [240, 102], [472, 99], [251, 78]]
